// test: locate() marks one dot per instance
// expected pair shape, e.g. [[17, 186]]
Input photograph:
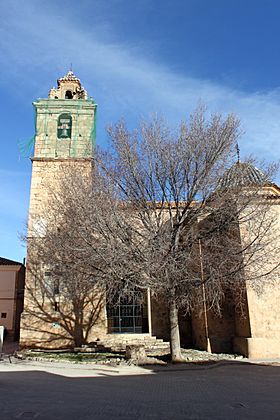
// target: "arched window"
[[64, 126], [68, 94]]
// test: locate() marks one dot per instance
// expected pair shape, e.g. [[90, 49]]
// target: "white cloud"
[[39, 40], [125, 81]]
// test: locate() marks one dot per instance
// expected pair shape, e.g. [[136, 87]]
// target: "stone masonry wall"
[[53, 157], [47, 143]]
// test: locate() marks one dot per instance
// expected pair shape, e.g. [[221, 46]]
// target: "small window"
[[56, 287], [56, 306], [68, 94], [3, 314]]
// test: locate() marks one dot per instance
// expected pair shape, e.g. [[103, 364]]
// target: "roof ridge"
[[6, 261]]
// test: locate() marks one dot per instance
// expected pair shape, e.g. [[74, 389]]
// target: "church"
[[65, 135]]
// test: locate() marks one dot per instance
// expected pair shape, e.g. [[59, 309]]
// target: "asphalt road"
[[54, 392]]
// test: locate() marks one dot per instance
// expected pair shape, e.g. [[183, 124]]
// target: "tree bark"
[[78, 336], [175, 344], [78, 328]]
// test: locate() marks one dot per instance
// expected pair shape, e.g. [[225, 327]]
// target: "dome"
[[242, 175]]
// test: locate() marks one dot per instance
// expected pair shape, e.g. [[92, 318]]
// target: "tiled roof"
[[5, 261], [242, 174], [69, 77]]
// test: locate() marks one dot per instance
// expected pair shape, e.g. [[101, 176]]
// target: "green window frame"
[[64, 126]]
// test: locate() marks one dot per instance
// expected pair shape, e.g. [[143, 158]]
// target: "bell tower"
[[65, 137], [65, 123], [65, 134]]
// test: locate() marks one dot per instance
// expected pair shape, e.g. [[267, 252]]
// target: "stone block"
[[257, 347], [135, 352]]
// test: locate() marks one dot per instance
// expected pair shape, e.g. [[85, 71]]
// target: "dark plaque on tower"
[[64, 126]]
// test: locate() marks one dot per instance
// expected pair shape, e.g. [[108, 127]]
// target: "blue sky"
[[135, 57]]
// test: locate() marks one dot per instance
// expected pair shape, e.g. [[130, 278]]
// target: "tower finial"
[[71, 68], [237, 152]]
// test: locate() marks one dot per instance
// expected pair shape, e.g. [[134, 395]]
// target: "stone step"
[[140, 343], [159, 346], [151, 344], [118, 344], [157, 352], [124, 343]]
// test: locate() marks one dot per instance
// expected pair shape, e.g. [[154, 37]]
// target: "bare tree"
[[187, 210], [169, 210], [78, 255]]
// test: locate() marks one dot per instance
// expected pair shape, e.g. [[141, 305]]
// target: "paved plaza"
[[55, 391]]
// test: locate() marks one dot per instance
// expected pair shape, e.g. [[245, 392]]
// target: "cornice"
[[59, 159], [64, 103]]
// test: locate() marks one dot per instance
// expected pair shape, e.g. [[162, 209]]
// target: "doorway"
[[128, 314]]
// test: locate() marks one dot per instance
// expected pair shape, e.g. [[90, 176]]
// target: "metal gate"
[[128, 314]]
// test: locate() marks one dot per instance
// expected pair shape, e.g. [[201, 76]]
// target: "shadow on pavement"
[[232, 391]]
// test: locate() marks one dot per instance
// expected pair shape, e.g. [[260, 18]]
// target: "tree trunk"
[[175, 345], [78, 328], [78, 336]]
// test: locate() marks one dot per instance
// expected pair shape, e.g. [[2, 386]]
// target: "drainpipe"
[[149, 310], [208, 346]]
